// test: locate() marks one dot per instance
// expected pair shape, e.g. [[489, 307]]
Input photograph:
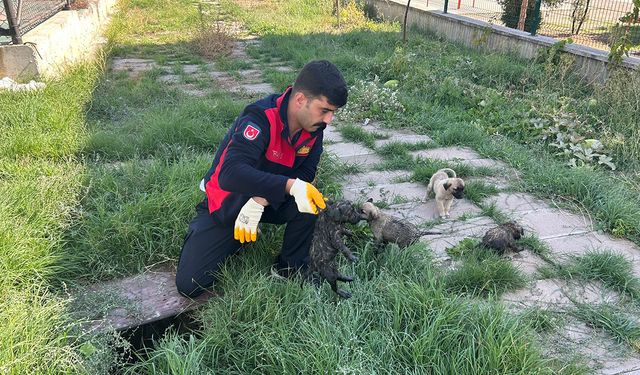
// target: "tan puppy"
[[446, 188]]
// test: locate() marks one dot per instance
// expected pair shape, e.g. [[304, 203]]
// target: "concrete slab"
[[135, 67], [390, 193], [403, 137], [510, 203], [284, 69], [564, 247], [558, 293], [354, 153], [258, 88], [419, 213], [373, 178], [498, 182], [193, 90], [526, 261], [144, 298], [448, 153], [190, 69], [251, 74], [551, 223], [169, 79], [332, 135], [484, 163], [455, 231]]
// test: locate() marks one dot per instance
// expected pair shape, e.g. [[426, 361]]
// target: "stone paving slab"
[[550, 223], [146, 298], [564, 247], [193, 90], [456, 231], [372, 178], [526, 261], [510, 203], [448, 153], [190, 69], [284, 69], [402, 138], [258, 88], [354, 153], [386, 193], [169, 79], [331, 134], [498, 182], [135, 67], [419, 213], [476, 163], [559, 293]]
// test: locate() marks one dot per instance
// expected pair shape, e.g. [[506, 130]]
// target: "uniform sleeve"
[[238, 172], [307, 170]]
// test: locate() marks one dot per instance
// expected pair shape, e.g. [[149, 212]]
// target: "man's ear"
[[299, 98]]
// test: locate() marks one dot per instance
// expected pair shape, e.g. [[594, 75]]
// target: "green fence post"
[[446, 5], [536, 18]]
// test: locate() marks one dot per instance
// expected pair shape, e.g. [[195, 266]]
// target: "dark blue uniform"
[[256, 158]]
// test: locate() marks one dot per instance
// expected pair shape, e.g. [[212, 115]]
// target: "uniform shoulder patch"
[[251, 132]]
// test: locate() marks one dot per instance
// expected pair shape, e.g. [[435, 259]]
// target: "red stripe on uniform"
[[215, 194]]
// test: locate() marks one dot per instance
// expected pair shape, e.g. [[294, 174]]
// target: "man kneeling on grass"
[[262, 173]]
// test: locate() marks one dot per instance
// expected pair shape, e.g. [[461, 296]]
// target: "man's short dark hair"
[[322, 78]]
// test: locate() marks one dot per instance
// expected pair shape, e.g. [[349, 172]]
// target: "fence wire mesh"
[[28, 14], [596, 23]]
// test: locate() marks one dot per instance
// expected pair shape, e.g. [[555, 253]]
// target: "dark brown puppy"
[[327, 242], [503, 237], [386, 228]]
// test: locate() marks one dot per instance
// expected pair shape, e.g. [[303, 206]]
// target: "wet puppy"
[[446, 186], [503, 237], [327, 242], [386, 228]]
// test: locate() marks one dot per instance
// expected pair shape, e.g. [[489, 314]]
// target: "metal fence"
[[596, 23], [19, 16]]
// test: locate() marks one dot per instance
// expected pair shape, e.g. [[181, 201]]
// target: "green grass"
[[99, 173], [377, 330], [611, 268], [482, 272], [612, 320]]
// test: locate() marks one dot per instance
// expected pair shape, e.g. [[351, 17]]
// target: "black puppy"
[[327, 242], [503, 237]]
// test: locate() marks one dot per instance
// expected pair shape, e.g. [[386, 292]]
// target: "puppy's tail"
[[449, 172], [429, 232]]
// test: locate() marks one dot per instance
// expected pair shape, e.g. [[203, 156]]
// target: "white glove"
[[307, 197], [246, 226]]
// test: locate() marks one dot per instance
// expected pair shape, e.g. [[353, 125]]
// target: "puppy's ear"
[[446, 186], [370, 200]]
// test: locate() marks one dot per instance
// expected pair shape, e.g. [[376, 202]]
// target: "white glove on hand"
[[246, 226], [307, 197]]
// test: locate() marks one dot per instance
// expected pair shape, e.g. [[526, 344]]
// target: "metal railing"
[[19, 16], [596, 23]]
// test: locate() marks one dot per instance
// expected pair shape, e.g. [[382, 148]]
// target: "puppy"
[[386, 228], [445, 188], [327, 242], [504, 237]]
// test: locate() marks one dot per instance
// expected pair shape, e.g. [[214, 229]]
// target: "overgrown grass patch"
[[399, 319], [612, 320], [482, 272], [606, 266]]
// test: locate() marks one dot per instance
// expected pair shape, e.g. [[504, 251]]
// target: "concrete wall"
[[66, 38], [592, 63]]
